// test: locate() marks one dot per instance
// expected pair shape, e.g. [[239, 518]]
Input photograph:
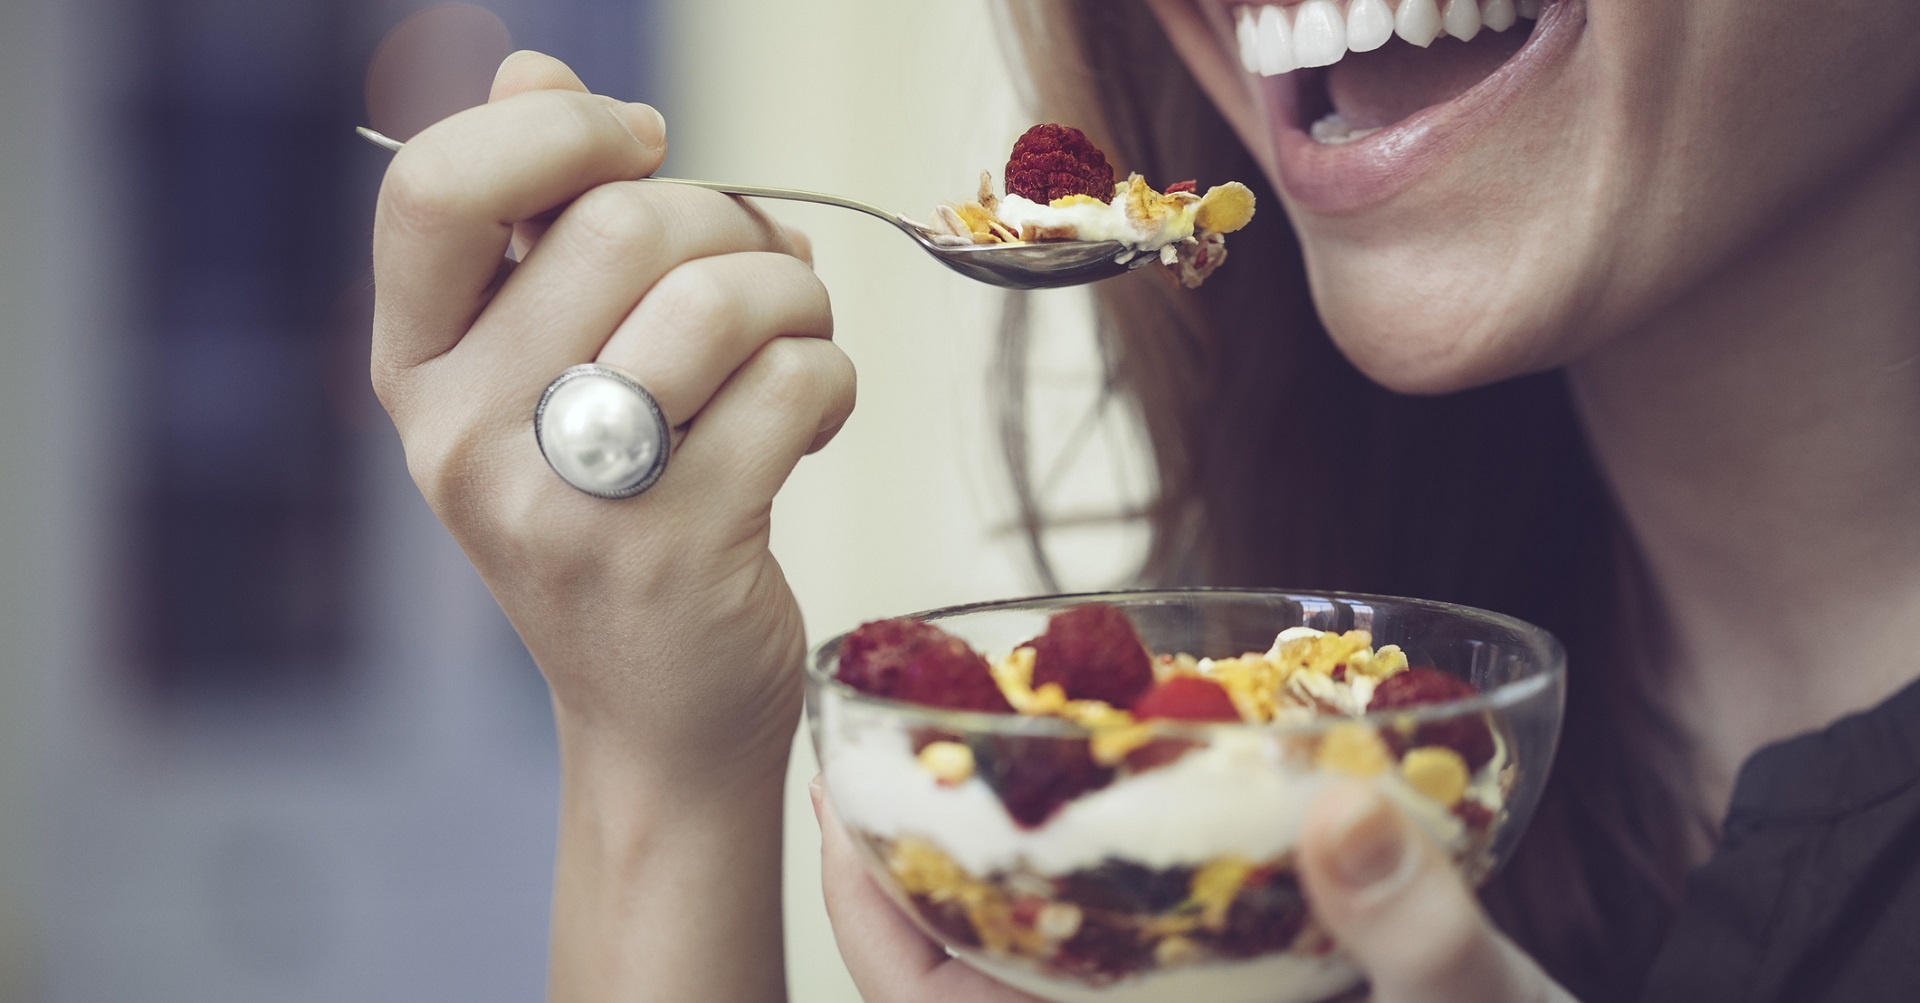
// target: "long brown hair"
[[1280, 464]]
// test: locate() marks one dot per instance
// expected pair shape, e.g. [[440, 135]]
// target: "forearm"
[[662, 893]]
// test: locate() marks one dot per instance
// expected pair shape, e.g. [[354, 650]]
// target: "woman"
[[1698, 221]]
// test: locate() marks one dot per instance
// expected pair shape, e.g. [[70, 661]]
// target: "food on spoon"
[[1060, 187], [1098, 856]]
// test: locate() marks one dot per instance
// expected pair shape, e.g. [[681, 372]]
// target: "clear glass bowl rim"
[[1546, 679]]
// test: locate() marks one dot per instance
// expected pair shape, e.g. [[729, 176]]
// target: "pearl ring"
[[602, 432]]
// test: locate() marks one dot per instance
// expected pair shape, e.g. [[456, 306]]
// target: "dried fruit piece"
[[1093, 653], [1265, 917], [1420, 686], [1035, 775], [1055, 161], [1104, 947], [1187, 698], [1477, 816], [1124, 886], [905, 659], [949, 919]]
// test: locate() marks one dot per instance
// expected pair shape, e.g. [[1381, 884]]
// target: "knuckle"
[[794, 376], [613, 221], [421, 192], [696, 298]]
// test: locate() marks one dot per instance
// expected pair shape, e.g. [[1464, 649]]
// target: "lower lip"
[[1352, 177]]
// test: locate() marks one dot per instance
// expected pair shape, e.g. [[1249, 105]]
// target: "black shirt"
[[1814, 891]]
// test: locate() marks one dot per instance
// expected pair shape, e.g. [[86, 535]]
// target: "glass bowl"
[[1169, 875]]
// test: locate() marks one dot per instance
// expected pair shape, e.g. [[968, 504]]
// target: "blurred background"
[[264, 735]]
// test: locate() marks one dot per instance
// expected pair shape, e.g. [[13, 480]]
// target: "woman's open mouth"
[[1364, 96]]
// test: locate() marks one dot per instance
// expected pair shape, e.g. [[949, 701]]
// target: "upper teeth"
[[1278, 39]]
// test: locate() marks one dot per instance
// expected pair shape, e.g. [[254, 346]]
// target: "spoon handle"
[[392, 145], [791, 195]]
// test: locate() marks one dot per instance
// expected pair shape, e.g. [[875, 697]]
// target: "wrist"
[[666, 887]]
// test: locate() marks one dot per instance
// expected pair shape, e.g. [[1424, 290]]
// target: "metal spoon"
[[1013, 266]]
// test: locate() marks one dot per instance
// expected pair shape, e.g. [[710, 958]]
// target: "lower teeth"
[[1334, 131]]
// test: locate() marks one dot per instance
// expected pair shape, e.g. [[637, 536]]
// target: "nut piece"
[[950, 762], [1437, 772], [1175, 950], [1058, 921], [1353, 749]]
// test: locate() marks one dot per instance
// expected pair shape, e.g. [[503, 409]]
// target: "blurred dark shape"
[[433, 64], [240, 512]]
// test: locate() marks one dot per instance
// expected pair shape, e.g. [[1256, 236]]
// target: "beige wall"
[[899, 104]]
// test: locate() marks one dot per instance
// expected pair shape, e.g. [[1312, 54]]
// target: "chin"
[[1446, 313], [1416, 341]]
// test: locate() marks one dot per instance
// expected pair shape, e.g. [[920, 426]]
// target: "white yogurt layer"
[[1096, 221], [1238, 795], [1272, 978]]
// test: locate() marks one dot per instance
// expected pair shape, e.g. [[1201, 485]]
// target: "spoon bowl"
[[1049, 265]]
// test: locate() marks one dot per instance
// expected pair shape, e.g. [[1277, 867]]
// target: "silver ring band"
[[602, 432]]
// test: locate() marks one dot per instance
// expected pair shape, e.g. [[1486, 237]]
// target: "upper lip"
[[1331, 180]]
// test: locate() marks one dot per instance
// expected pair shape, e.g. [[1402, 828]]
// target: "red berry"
[[905, 659], [1035, 775], [1093, 652], [1187, 698], [1055, 161], [1420, 686], [1159, 752], [1417, 687]]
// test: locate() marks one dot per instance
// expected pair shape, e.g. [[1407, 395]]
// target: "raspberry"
[[1187, 698], [904, 659], [1093, 652], [1159, 752], [1420, 686], [1055, 161], [1035, 775]]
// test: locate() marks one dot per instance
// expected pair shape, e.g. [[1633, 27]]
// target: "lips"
[[1365, 97]]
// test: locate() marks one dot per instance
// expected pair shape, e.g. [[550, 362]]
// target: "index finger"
[[451, 197]]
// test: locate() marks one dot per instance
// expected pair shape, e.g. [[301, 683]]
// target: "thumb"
[[1396, 904], [527, 70]]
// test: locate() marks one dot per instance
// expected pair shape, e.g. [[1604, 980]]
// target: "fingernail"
[[814, 791], [1371, 842], [657, 123]]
